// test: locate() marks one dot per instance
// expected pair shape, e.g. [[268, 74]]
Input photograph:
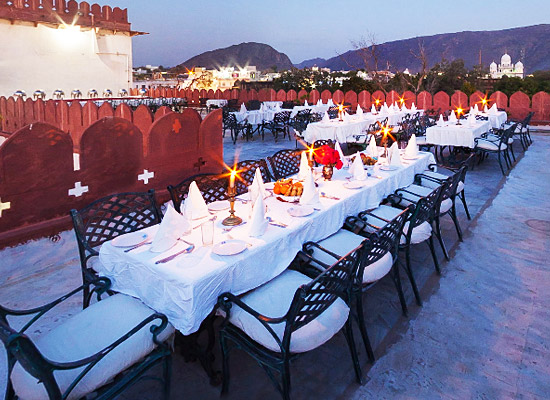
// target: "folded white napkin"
[[257, 187], [413, 107], [412, 149], [359, 110], [357, 170], [243, 108], [330, 102], [326, 118], [345, 115], [476, 109], [262, 107], [471, 110], [404, 108], [195, 202], [310, 194], [339, 150], [372, 150], [440, 121], [304, 166], [305, 104], [493, 109], [485, 109], [258, 223], [452, 117], [172, 226], [385, 107], [373, 109], [395, 158], [471, 119], [319, 102]]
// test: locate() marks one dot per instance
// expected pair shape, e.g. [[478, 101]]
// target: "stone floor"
[[482, 332]]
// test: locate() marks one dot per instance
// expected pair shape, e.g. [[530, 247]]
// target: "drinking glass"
[[207, 230], [188, 215]]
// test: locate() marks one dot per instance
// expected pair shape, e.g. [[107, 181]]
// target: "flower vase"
[[328, 170]]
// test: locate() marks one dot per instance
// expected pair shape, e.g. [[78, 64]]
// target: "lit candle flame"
[[232, 177], [459, 111], [377, 101], [401, 100]]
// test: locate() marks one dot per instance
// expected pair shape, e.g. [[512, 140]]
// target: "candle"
[[310, 153], [232, 178]]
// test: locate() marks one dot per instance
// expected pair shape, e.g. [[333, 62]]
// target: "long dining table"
[[186, 289]]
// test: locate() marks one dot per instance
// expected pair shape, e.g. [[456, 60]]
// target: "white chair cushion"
[[436, 175], [341, 243], [487, 145], [83, 335], [414, 192], [445, 206], [419, 234], [273, 299]]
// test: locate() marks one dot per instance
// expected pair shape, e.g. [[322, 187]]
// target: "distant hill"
[[531, 44], [261, 55], [311, 63]]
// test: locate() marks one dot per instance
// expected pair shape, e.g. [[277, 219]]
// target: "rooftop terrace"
[[482, 332]]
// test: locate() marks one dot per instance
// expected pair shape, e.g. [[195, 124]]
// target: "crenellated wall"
[[119, 152]]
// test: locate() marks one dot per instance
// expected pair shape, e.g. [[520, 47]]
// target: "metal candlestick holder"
[[232, 220]]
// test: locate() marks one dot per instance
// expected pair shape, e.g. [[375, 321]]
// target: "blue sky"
[[305, 29]]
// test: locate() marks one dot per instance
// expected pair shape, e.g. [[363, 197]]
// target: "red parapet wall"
[[38, 184]]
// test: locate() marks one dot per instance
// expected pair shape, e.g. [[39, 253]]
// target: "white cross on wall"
[[78, 190], [4, 206], [146, 176]]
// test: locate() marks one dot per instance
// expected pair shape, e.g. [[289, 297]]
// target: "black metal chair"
[[379, 259], [212, 187], [285, 163], [253, 105], [107, 218], [299, 123], [100, 351], [288, 105], [247, 170], [279, 124], [497, 142], [230, 122], [333, 112], [276, 332]]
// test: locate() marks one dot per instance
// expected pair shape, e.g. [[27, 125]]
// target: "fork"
[[170, 258], [138, 246]]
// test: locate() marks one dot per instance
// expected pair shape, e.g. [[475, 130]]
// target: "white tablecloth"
[[216, 102], [496, 120], [255, 117], [456, 135], [272, 105], [342, 131], [314, 109], [186, 289]]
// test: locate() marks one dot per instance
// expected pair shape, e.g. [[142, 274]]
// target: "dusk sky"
[[302, 29]]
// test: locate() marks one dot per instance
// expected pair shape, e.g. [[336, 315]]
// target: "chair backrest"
[[285, 163], [21, 349], [315, 117], [113, 215], [323, 142], [253, 105], [288, 105], [281, 117], [313, 298], [247, 170], [425, 208], [332, 112], [212, 187]]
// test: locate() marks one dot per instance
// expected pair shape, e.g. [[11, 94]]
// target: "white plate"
[[229, 247], [410, 158], [130, 239], [269, 185], [301, 211], [291, 199], [218, 205], [354, 184], [388, 167]]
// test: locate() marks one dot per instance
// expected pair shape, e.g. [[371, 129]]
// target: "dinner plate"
[[130, 239], [290, 199], [229, 247], [269, 185], [219, 205], [354, 184], [388, 167], [301, 211]]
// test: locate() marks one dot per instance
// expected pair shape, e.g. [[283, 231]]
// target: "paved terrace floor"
[[482, 332]]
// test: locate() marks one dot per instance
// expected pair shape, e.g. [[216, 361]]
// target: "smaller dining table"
[[452, 134]]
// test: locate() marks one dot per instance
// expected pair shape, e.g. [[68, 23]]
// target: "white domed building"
[[506, 68]]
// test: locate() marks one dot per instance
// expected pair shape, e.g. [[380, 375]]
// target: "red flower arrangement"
[[326, 155]]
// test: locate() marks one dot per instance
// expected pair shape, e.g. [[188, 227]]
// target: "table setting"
[[455, 132], [180, 266]]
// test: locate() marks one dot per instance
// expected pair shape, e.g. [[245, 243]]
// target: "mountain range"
[[529, 44]]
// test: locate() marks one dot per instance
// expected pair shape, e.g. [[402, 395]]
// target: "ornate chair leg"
[[397, 281], [434, 256], [463, 199], [167, 376], [409, 272], [225, 363], [285, 376], [457, 224], [348, 332], [440, 238], [362, 326]]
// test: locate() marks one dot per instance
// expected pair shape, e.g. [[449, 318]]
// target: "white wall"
[[48, 58]]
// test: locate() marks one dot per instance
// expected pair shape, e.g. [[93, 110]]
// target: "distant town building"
[[223, 78], [81, 49], [506, 68]]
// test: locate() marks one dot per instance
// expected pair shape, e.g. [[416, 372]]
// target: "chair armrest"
[[227, 299], [102, 285], [418, 178]]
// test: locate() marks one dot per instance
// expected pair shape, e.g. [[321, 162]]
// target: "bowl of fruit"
[[367, 160], [288, 189]]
